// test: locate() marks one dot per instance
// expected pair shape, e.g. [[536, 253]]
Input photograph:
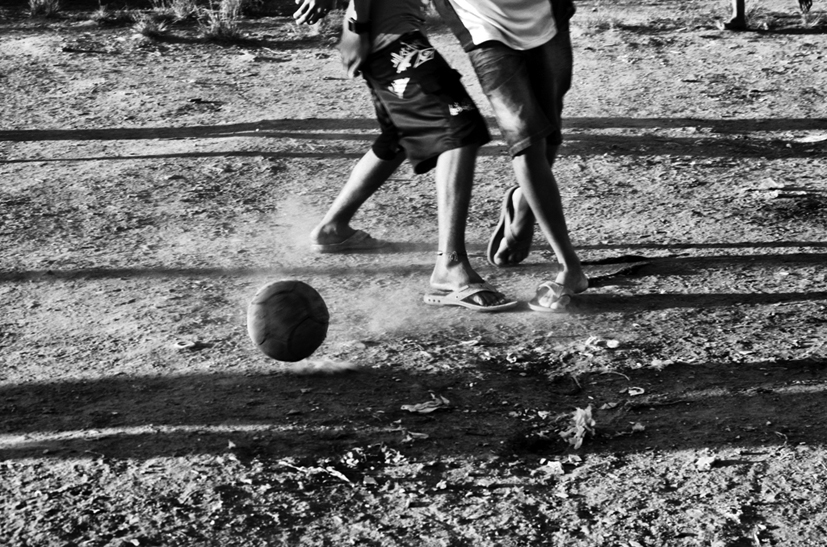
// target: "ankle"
[[574, 279], [452, 256]]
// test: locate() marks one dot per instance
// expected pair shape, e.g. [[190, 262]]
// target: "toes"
[[489, 298], [507, 256], [502, 257]]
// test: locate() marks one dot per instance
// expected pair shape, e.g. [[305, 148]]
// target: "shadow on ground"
[[288, 414], [727, 139]]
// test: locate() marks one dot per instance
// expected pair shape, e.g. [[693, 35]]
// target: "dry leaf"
[[583, 423], [550, 469], [437, 402], [812, 138], [705, 463]]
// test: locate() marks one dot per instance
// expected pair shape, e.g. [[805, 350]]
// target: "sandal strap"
[[556, 296], [472, 289]]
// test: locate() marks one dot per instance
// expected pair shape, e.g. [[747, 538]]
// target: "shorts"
[[526, 88], [421, 104]]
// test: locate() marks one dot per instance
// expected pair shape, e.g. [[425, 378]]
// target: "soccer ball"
[[287, 320]]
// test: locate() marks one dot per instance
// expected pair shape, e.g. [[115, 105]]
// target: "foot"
[[555, 296], [736, 23], [330, 234], [517, 231], [551, 297], [574, 280], [453, 272]]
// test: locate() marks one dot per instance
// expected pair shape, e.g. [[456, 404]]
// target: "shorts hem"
[[519, 147], [424, 165]]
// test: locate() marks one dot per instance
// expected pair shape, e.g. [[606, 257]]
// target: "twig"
[[615, 372]]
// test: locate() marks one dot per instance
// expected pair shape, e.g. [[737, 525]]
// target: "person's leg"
[[539, 193], [369, 174], [522, 221], [454, 182], [739, 16]]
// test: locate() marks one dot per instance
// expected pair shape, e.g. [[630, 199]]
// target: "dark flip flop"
[[503, 231]]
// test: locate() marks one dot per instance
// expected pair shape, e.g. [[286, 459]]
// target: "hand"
[[312, 11], [354, 49]]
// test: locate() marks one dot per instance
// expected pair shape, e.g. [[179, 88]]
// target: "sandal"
[[504, 231]]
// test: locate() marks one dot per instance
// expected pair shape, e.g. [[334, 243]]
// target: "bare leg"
[[739, 16], [454, 181], [522, 225], [539, 194], [369, 174]]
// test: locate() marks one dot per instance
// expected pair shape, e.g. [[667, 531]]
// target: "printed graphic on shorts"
[[455, 109], [398, 87], [411, 55]]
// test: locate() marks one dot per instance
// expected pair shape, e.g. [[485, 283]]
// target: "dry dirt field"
[[149, 187]]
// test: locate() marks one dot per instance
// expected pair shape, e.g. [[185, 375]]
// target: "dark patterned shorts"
[[421, 104]]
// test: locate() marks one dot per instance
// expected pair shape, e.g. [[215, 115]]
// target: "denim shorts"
[[526, 88], [421, 104]]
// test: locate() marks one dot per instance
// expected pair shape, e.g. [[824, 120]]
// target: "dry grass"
[[178, 10], [150, 25], [808, 20], [602, 20], [607, 16], [252, 7], [44, 8], [328, 29], [219, 23], [105, 16]]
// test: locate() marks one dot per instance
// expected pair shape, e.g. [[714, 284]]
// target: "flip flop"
[[460, 297], [359, 241], [503, 231], [550, 297]]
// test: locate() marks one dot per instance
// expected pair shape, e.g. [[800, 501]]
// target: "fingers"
[[301, 14], [310, 12]]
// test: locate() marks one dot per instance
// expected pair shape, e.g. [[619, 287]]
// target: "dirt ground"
[[149, 187]]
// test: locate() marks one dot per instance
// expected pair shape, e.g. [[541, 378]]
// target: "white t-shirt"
[[520, 24]]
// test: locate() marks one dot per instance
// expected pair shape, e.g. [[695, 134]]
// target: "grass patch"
[[601, 21], [219, 22], [175, 10], [151, 25], [329, 28], [105, 16], [44, 8], [605, 16]]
